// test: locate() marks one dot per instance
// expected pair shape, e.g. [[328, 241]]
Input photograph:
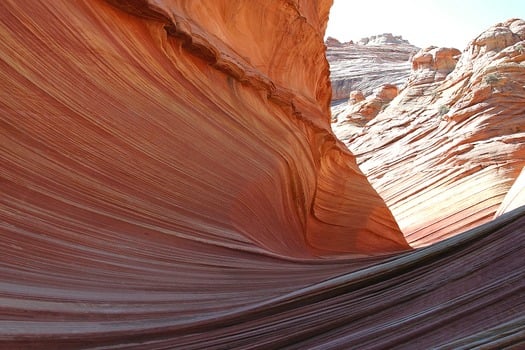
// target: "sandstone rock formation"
[[383, 39], [515, 197], [433, 64], [161, 126], [362, 110], [332, 42], [169, 180], [355, 97], [367, 67], [446, 151]]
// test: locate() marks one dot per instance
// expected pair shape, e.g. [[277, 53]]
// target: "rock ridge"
[[367, 67], [458, 126]]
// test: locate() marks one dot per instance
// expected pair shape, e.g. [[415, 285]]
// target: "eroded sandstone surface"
[[445, 152], [169, 180], [193, 125], [368, 64]]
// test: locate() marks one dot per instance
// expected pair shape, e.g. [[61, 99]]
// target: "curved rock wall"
[[163, 185], [169, 124]]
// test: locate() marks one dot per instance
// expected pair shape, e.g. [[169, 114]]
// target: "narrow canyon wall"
[[177, 117]]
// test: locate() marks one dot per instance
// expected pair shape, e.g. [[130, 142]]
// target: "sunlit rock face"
[[445, 152], [368, 64], [360, 111], [382, 39], [169, 180], [515, 197]]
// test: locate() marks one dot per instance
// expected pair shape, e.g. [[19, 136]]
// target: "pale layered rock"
[[445, 152], [365, 68], [515, 197], [436, 58], [433, 64], [383, 39]]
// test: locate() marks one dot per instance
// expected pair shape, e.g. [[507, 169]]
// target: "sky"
[[446, 23]]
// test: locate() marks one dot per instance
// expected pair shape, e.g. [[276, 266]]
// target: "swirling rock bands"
[[152, 199]]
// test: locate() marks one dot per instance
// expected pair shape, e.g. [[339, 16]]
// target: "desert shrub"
[[491, 78], [443, 109]]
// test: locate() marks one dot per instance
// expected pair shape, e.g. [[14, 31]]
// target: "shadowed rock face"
[[169, 179], [157, 113], [445, 152]]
